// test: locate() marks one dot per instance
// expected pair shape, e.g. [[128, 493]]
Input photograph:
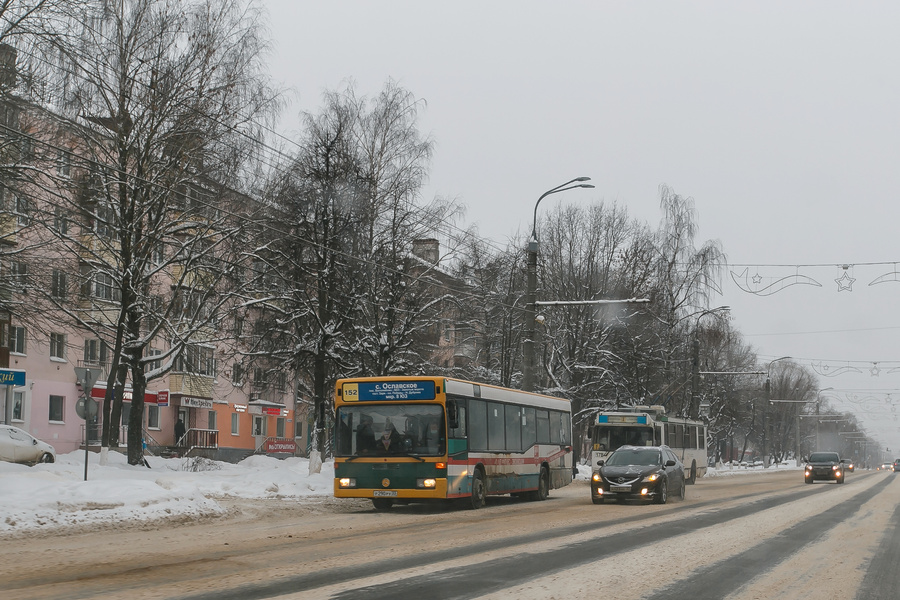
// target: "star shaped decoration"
[[874, 370], [757, 279], [845, 282]]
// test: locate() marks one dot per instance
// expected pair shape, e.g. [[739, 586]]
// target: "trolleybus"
[[412, 439], [649, 426]]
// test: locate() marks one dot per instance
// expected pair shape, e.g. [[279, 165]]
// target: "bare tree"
[[161, 102]]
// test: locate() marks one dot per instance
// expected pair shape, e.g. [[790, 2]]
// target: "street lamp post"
[[695, 359], [531, 284]]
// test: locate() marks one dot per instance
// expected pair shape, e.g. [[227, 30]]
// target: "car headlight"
[[652, 477], [347, 482], [596, 477], [834, 467]]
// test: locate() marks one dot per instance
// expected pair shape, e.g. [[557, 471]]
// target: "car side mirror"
[[670, 463], [34, 442], [600, 463]]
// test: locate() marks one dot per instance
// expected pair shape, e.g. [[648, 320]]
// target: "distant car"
[[896, 465], [18, 446], [885, 467], [824, 466], [848, 466], [638, 472]]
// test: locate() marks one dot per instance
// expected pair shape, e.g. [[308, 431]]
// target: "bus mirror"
[[452, 415]]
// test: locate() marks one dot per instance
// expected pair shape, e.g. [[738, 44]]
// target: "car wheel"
[[382, 504], [478, 490], [596, 500], [543, 490], [683, 490], [808, 479], [662, 495], [840, 479], [46, 458]]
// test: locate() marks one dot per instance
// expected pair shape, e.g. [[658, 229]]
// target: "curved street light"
[[531, 283], [695, 356]]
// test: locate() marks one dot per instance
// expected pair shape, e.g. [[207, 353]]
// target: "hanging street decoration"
[[766, 286], [765, 280]]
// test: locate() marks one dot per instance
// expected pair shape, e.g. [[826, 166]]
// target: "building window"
[[198, 360], [281, 381], [59, 285], [64, 163], [56, 408], [237, 373], [18, 274], [104, 288], [154, 365], [259, 425], [58, 345], [95, 351], [60, 221], [152, 416], [17, 339], [279, 427], [259, 377], [18, 410], [235, 421], [22, 209], [211, 421]]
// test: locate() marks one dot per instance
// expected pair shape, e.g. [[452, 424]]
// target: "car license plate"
[[620, 488], [384, 494]]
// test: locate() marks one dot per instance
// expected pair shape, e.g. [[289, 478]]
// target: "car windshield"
[[376, 429], [634, 456], [823, 457]]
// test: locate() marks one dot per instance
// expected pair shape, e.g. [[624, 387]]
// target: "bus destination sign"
[[388, 390]]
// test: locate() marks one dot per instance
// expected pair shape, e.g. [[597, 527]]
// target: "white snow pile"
[[53, 496]]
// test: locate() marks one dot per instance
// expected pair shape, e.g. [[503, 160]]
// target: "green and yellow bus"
[[413, 439]]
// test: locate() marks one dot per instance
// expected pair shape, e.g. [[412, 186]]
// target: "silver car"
[[18, 446]]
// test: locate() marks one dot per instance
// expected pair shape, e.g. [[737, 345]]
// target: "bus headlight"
[[426, 483], [347, 482]]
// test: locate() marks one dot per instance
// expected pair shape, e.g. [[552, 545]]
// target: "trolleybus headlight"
[[347, 482], [426, 483]]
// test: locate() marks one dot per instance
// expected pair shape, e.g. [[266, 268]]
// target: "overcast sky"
[[778, 119]]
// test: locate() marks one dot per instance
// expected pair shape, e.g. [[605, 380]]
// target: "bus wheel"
[[478, 490], [543, 490], [382, 504], [693, 478]]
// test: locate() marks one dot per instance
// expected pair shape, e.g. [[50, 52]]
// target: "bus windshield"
[[609, 437], [384, 429]]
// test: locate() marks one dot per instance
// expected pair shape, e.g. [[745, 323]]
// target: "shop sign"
[[196, 402], [277, 446]]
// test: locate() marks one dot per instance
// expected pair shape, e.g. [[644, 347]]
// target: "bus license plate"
[[384, 494], [620, 488]]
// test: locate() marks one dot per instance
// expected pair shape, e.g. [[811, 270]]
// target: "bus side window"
[[452, 414]]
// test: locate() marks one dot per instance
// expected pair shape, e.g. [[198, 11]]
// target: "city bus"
[[649, 426], [414, 439]]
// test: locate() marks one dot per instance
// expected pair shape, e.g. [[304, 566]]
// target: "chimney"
[[427, 249]]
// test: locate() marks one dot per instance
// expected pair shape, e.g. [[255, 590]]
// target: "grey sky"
[[779, 119]]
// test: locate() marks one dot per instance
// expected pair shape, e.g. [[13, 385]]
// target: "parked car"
[[639, 472], [18, 446], [824, 465]]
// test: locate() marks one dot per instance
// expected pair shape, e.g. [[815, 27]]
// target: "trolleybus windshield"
[[609, 437]]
